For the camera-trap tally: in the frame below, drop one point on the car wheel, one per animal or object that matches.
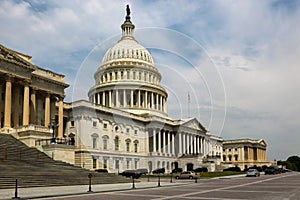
(176, 177)
(191, 177)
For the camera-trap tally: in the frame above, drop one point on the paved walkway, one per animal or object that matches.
(54, 191)
(39, 192)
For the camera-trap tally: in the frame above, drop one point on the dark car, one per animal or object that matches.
(201, 169)
(159, 171)
(175, 171)
(272, 170)
(232, 169)
(143, 171)
(131, 174)
(101, 170)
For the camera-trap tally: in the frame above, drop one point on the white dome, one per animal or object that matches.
(127, 49)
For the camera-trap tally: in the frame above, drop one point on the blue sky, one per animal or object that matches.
(239, 60)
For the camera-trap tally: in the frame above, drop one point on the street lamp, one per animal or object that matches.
(53, 126)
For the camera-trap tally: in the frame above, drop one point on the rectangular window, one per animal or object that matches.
(135, 147)
(135, 164)
(135, 132)
(128, 164)
(94, 143)
(104, 163)
(105, 126)
(94, 124)
(127, 130)
(94, 163)
(72, 123)
(128, 147)
(117, 164)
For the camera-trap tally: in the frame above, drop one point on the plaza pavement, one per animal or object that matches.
(55, 191)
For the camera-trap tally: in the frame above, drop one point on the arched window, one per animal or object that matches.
(117, 143)
(105, 141)
(95, 140)
(136, 143)
(128, 141)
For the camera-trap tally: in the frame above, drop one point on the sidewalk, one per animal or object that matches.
(54, 191)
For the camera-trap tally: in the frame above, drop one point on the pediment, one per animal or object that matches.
(15, 57)
(194, 124)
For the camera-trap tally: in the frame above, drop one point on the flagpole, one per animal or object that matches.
(188, 105)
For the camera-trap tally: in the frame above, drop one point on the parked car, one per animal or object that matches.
(232, 169)
(272, 170)
(187, 175)
(143, 171)
(253, 172)
(131, 174)
(101, 170)
(159, 171)
(201, 169)
(178, 170)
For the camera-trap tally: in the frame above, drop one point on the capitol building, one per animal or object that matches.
(124, 124)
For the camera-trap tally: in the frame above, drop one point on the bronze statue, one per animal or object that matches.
(128, 10)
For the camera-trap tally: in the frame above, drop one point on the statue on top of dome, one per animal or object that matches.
(127, 12)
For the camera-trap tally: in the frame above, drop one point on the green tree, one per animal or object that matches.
(293, 162)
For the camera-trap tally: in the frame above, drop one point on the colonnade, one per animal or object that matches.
(177, 143)
(130, 98)
(133, 75)
(24, 109)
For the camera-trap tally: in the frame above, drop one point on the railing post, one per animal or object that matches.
(133, 186)
(16, 191)
(90, 182)
(158, 184)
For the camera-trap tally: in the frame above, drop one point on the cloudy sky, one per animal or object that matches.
(237, 60)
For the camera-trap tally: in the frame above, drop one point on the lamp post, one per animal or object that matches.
(53, 126)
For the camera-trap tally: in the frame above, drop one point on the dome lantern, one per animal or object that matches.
(127, 27)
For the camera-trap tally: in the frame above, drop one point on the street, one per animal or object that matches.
(282, 186)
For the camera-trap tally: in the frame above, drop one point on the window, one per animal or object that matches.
(229, 157)
(128, 145)
(235, 149)
(236, 157)
(117, 164)
(105, 126)
(127, 130)
(94, 163)
(135, 164)
(224, 158)
(105, 140)
(127, 164)
(104, 163)
(72, 123)
(135, 132)
(94, 142)
(229, 149)
(117, 143)
(94, 124)
(136, 146)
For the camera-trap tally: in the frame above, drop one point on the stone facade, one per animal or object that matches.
(245, 153)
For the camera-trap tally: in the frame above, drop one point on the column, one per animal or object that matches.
(152, 101)
(198, 145)
(60, 118)
(103, 98)
(139, 98)
(109, 98)
(26, 106)
(159, 141)
(188, 143)
(184, 143)
(131, 98)
(146, 99)
(165, 105)
(47, 110)
(7, 106)
(98, 98)
(117, 98)
(173, 142)
(160, 105)
(154, 140)
(164, 141)
(195, 144)
(180, 142)
(124, 98)
(156, 106)
(33, 107)
(169, 142)
(16, 106)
